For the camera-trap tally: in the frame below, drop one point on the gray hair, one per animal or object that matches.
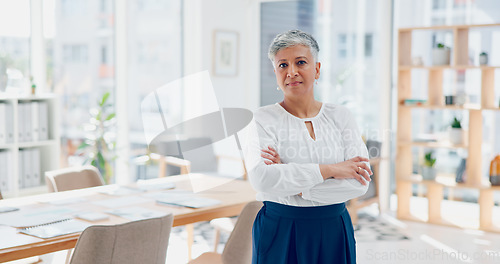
(292, 38)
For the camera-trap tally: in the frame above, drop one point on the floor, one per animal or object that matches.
(380, 239)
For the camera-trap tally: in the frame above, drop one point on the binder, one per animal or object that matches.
(3, 123)
(20, 163)
(35, 164)
(43, 121)
(4, 185)
(27, 122)
(20, 122)
(35, 131)
(9, 110)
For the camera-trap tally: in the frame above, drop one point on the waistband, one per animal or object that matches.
(307, 212)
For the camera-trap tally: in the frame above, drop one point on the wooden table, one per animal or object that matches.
(233, 194)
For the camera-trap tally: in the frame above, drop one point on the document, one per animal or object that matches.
(35, 217)
(121, 202)
(60, 228)
(136, 213)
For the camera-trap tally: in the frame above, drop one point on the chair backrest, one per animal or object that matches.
(143, 241)
(73, 178)
(238, 249)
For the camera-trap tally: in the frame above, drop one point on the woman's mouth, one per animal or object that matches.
(294, 83)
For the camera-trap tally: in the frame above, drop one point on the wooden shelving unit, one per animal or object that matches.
(404, 176)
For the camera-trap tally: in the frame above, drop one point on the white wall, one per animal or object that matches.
(201, 19)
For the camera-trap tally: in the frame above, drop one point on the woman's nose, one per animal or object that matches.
(292, 71)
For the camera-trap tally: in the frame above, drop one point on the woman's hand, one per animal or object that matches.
(271, 156)
(354, 168)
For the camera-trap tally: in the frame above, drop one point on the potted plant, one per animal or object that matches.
(456, 132)
(483, 58)
(428, 170)
(441, 55)
(99, 143)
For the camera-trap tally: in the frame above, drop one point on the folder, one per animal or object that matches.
(4, 185)
(20, 122)
(9, 110)
(43, 120)
(27, 123)
(35, 133)
(20, 175)
(3, 123)
(36, 171)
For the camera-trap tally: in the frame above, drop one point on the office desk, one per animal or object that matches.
(233, 195)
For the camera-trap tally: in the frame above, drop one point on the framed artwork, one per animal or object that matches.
(225, 53)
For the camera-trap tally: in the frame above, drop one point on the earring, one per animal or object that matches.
(277, 88)
(316, 81)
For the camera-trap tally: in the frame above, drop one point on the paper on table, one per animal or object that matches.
(56, 229)
(171, 194)
(144, 185)
(191, 201)
(121, 190)
(136, 213)
(122, 201)
(35, 217)
(66, 201)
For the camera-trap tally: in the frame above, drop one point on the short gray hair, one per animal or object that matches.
(292, 38)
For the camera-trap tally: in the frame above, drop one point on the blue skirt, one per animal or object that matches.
(284, 234)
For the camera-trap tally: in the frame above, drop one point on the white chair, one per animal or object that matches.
(144, 241)
(238, 249)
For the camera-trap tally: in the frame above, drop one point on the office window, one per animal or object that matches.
(75, 53)
(342, 45)
(80, 66)
(155, 59)
(14, 45)
(368, 45)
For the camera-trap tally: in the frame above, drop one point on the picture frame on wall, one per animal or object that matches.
(225, 53)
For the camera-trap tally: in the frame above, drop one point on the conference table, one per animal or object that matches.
(233, 194)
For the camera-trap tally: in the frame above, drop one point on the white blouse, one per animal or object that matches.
(337, 140)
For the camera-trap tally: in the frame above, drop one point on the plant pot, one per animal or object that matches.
(428, 173)
(441, 56)
(456, 136)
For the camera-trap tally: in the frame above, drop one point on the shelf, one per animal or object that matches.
(449, 107)
(7, 146)
(449, 182)
(446, 67)
(442, 144)
(448, 27)
(37, 143)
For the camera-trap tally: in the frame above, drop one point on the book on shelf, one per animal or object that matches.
(414, 101)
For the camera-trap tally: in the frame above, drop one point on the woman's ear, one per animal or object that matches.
(318, 66)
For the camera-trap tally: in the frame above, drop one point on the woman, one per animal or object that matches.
(306, 159)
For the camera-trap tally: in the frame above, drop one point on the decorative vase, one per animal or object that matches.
(495, 171)
(441, 56)
(456, 136)
(428, 173)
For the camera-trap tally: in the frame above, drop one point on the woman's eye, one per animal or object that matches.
(301, 62)
(282, 65)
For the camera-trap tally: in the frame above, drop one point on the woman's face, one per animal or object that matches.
(296, 71)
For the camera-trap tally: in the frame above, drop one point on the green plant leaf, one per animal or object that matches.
(110, 116)
(104, 99)
(100, 158)
(83, 145)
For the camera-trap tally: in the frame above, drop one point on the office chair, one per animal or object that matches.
(238, 249)
(73, 178)
(144, 241)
